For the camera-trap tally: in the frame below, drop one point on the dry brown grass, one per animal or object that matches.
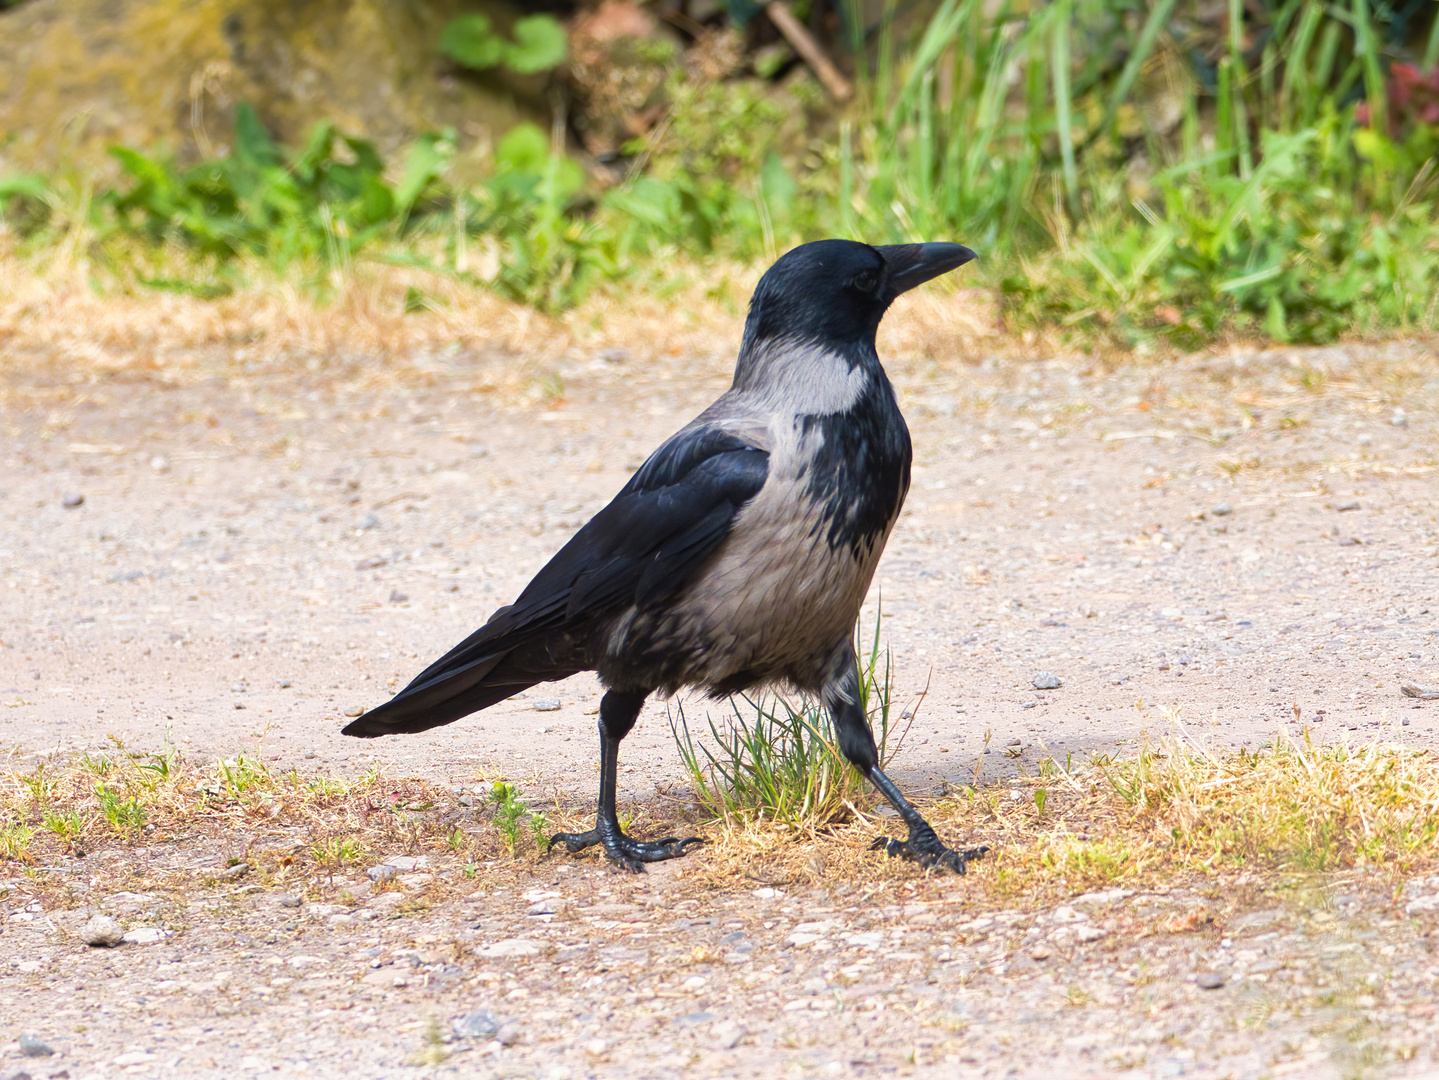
(1173, 812)
(53, 315)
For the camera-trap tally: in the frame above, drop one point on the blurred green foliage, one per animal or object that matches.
(540, 43)
(1125, 177)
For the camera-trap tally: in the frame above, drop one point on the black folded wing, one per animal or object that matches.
(639, 550)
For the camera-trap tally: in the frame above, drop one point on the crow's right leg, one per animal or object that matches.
(618, 712)
(856, 742)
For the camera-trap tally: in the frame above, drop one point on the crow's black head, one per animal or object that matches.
(834, 292)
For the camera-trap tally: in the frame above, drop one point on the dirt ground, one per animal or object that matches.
(236, 557)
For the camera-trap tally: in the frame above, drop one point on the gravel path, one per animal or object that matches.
(242, 559)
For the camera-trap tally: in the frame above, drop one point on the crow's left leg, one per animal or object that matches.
(618, 712)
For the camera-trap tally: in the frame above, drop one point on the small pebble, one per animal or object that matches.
(144, 935)
(102, 932)
(382, 873)
(480, 1024)
(1399, 418)
(234, 873)
(1046, 680)
(33, 1046)
(1221, 509)
(549, 704)
(1209, 980)
(397, 597)
(1342, 507)
(74, 499)
(509, 1033)
(289, 900)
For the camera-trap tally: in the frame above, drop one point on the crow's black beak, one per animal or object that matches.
(914, 264)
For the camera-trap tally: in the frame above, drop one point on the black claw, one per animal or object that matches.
(576, 842)
(625, 852)
(923, 847)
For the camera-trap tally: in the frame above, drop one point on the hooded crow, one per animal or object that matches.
(738, 555)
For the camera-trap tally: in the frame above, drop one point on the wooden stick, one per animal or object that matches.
(800, 39)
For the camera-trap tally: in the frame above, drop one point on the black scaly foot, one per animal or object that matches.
(626, 852)
(924, 847)
(618, 710)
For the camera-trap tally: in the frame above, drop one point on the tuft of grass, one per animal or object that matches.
(15, 840)
(513, 819)
(780, 762)
(1290, 805)
(243, 775)
(67, 826)
(1175, 810)
(334, 852)
(124, 813)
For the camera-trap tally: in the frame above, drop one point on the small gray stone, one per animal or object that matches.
(234, 873)
(480, 1024)
(289, 900)
(405, 863)
(510, 949)
(71, 501)
(144, 935)
(18, 1074)
(509, 1033)
(383, 872)
(1047, 680)
(33, 1046)
(549, 704)
(1221, 509)
(102, 931)
(1209, 980)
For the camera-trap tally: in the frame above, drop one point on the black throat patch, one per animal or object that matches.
(857, 466)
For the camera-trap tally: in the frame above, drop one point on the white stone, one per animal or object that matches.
(144, 935)
(510, 948)
(102, 931)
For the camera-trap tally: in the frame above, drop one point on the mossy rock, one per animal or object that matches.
(78, 76)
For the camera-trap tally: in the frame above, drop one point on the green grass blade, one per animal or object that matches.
(1062, 17)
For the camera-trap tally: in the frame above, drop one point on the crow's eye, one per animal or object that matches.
(866, 281)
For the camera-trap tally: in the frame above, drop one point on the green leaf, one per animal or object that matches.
(524, 149)
(469, 41)
(253, 145)
(540, 44)
(29, 187)
(429, 157)
(777, 185)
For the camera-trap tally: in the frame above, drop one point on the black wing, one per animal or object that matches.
(640, 549)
